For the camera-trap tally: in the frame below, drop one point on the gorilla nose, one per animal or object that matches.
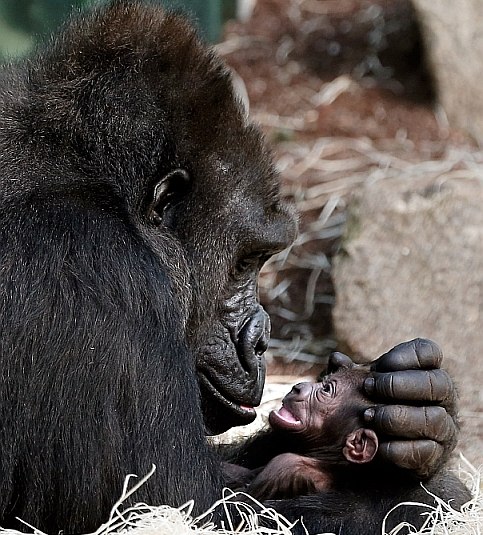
(253, 341)
(255, 334)
(301, 389)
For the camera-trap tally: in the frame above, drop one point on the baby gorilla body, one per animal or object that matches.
(321, 453)
(322, 424)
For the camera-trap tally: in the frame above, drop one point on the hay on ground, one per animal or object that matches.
(142, 519)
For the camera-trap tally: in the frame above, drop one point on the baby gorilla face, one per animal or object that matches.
(308, 407)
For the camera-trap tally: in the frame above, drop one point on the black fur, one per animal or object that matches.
(113, 296)
(361, 510)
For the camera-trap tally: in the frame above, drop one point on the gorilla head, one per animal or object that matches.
(128, 113)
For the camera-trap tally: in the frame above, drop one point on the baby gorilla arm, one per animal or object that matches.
(288, 475)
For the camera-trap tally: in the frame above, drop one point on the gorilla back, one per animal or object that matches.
(136, 209)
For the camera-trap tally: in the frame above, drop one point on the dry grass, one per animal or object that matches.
(320, 178)
(443, 519)
(142, 519)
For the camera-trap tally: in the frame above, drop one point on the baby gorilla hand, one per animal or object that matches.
(420, 406)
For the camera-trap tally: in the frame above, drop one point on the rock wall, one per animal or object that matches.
(452, 31)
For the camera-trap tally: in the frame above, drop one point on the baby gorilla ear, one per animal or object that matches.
(361, 446)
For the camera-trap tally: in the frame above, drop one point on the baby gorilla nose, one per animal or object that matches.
(301, 390)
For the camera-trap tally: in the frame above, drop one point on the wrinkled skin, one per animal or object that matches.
(418, 405)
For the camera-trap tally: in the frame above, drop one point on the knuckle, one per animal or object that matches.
(391, 418)
(440, 425)
(385, 384)
(442, 386)
(420, 455)
(428, 353)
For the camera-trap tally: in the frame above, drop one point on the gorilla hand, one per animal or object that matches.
(421, 414)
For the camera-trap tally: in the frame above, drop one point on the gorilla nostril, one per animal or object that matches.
(261, 346)
(253, 340)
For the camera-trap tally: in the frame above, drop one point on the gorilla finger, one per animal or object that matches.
(423, 456)
(435, 386)
(408, 422)
(338, 361)
(418, 354)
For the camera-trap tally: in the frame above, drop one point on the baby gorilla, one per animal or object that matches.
(321, 426)
(321, 454)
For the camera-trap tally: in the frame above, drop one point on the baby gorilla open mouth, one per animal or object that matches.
(284, 418)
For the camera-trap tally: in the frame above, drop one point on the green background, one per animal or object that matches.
(22, 22)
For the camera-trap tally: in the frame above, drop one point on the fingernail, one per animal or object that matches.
(369, 385)
(369, 415)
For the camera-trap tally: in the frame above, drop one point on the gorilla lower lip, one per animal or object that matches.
(244, 411)
(286, 415)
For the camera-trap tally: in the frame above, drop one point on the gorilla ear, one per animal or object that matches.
(167, 192)
(361, 446)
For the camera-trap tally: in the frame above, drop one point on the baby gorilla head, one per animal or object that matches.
(324, 420)
(318, 437)
(322, 439)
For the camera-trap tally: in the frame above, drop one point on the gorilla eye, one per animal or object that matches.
(167, 192)
(328, 388)
(248, 264)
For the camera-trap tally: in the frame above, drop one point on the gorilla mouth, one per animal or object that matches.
(283, 418)
(231, 373)
(242, 412)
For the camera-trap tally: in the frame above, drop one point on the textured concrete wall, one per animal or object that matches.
(453, 32)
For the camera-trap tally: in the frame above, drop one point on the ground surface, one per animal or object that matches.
(341, 91)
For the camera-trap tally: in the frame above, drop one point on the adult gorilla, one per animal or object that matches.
(136, 209)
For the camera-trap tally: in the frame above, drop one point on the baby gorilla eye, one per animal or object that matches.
(325, 390)
(329, 388)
